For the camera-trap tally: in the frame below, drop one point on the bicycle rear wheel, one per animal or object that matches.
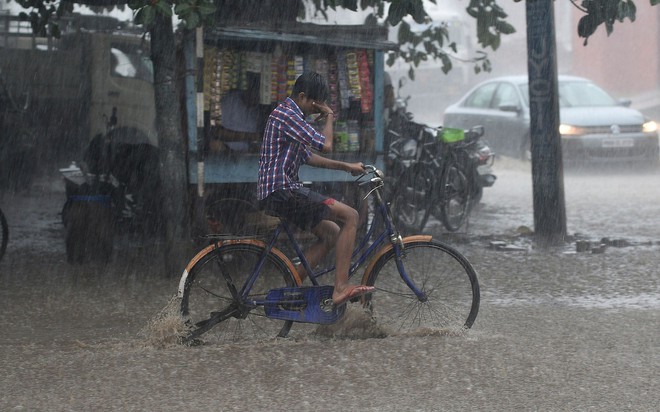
(444, 275)
(4, 234)
(207, 305)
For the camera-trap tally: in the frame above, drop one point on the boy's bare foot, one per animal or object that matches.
(350, 291)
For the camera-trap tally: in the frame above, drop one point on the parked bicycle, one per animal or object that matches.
(245, 284)
(4, 234)
(443, 180)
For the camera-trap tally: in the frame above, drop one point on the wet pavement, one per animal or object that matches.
(557, 330)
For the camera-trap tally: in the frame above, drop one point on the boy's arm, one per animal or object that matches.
(323, 162)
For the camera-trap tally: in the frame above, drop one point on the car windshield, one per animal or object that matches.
(577, 94)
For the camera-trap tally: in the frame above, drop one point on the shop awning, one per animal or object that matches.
(361, 37)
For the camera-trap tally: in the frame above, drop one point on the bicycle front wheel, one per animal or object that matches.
(4, 234)
(446, 278)
(208, 302)
(410, 199)
(454, 197)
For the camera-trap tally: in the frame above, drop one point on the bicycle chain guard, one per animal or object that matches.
(307, 304)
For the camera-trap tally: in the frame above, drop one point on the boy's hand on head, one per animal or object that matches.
(324, 109)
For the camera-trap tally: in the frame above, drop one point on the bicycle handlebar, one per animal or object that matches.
(373, 170)
(370, 169)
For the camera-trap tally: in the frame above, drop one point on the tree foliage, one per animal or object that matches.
(604, 12)
(433, 41)
(40, 12)
(415, 47)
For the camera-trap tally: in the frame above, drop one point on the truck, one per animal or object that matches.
(88, 97)
(96, 76)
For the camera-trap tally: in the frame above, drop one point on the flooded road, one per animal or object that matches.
(557, 330)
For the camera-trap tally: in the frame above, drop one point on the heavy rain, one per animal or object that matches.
(572, 326)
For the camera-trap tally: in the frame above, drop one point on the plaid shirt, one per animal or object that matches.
(286, 146)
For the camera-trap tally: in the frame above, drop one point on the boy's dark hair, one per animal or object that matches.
(313, 85)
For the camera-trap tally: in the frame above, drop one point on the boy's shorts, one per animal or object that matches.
(303, 207)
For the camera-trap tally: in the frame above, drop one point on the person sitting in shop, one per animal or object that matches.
(242, 118)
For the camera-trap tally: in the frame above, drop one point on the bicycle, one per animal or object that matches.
(247, 285)
(4, 234)
(440, 182)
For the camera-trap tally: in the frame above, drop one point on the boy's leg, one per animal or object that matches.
(347, 218)
(307, 210)
(326, 233)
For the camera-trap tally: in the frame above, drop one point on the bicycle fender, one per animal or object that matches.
(387, 248)
(214, 246)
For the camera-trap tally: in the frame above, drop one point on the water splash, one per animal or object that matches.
(166, 328)
(357, 323)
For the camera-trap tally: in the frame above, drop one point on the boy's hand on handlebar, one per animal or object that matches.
(356, 169)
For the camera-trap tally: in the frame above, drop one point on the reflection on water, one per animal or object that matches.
(640, 301)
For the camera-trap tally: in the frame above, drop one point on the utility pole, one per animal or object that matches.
(547, 166)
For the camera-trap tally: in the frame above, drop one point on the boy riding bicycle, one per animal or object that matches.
(287, 144)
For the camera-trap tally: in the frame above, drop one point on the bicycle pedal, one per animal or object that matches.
(327, 305)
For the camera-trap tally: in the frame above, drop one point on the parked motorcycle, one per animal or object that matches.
(401, 140)
(116, 189)
(87, 215)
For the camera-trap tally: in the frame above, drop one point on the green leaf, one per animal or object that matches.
(350, 5)
(139, 17)
(504, 27)
(391, 58)
(405, 35)
(192, 20)
(487, 66)
(146, 16)
(416, 10)
(587, 25)
(206, 8)
(164, 7)
(609, 27)
(446, 64)
(181, 8)
(416, 59)
(396, 12)
(136, 4)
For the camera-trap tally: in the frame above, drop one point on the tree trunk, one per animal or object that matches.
(172, 149)
(547, 165)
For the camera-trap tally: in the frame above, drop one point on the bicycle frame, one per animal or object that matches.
(361, 253)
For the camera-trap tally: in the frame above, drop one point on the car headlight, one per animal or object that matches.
(650, 127)
(567, 129)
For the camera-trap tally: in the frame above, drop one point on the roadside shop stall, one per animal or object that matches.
(246, 72)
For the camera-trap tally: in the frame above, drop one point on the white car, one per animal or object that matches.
(594, 126)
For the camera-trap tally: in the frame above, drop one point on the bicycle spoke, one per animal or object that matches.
(447, 280)
(212, 287)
